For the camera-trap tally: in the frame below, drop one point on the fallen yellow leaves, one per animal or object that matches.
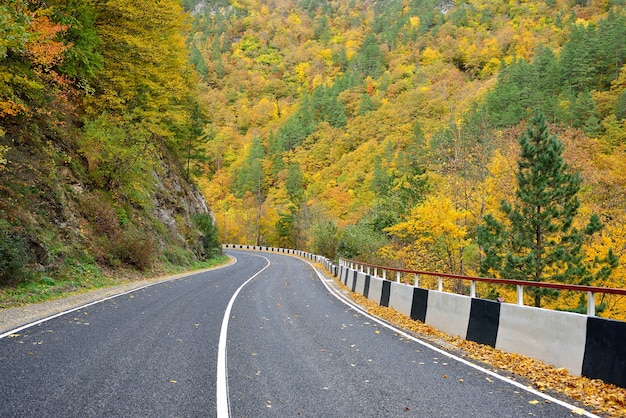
(602, 398)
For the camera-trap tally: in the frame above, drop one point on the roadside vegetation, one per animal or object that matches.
(85, 277)
(98, 112)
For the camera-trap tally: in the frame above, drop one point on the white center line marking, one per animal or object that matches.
(223, 405)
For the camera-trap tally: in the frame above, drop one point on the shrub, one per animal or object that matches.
(179, 257)
(14, 255)
(210, 239)
(134, 250)
(360, 241)
(100, 214)
(324, 239)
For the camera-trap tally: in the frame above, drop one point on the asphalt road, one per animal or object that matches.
(262, 337)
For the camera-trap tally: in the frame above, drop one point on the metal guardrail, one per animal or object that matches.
(591, 290)
(520, 284)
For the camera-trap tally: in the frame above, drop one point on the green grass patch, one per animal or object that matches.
(73, 277)
(78, 277)
(198, 265)
(219, 260)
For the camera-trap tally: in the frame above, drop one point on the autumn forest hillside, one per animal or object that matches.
(387, 131)
(97, 108)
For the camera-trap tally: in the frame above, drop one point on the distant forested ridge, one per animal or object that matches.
(389, 130)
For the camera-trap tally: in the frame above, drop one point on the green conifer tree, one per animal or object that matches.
(285, 227)
(365, 105)
(250, 178)
(370, 60)
(579, 58)
(539, 241)
(294, 183)
(547, 83)
(381, 180)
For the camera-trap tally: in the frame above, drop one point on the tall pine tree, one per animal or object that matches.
(539, 241)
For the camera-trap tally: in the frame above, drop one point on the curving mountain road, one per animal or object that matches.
(266, 336)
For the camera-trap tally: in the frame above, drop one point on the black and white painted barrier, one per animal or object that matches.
(584, 345)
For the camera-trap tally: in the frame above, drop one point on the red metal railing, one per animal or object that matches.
(591, 290)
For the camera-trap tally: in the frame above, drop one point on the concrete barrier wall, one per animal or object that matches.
(360, 283)
(448, 312)
(605, 351)
(588, 346)
(375, 290)
(484, 321)
(351, 276)
(555, 337)
(401, 298)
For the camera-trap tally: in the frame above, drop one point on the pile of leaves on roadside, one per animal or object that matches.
(605, 399)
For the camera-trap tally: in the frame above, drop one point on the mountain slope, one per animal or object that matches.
(330, 122)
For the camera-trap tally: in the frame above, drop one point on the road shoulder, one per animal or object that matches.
(12, 318)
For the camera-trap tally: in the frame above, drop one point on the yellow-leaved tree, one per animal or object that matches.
(143, 95)
(146, 75)
(433, 237)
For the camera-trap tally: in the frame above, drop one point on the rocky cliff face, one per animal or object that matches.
(445, 6)
(174, 204)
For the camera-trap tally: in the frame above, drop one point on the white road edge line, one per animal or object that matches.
(95, 302)
(223, 404)
(357, 308)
